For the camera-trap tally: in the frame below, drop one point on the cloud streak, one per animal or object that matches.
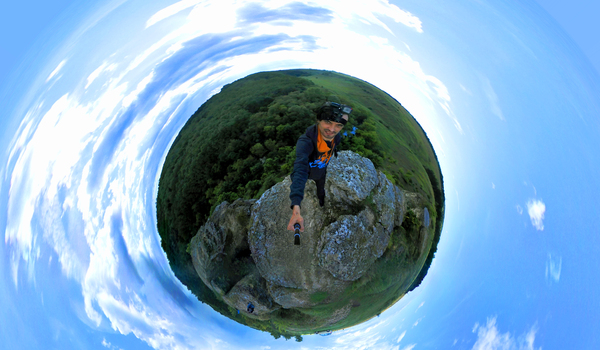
(492, 98)
(553, 268)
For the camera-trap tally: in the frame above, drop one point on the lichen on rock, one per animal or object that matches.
(350, 245)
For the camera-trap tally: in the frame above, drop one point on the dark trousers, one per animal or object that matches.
(320, 187)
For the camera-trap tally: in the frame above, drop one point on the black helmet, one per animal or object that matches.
(333, 111)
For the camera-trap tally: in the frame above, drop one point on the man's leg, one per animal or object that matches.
(321, 190)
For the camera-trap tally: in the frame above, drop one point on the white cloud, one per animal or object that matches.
(133, 95)
(366, 337)
(489, 92)
(360, 337)
(490, 338)
(553, 268)
(401, 337)
(96, 73)
(56, 70)
(108, 345)
(519, 209)
(409, 347)
(404, 17)
(171, 10)
(536, 209)
(465, 89)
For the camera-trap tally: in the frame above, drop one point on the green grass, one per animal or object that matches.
(318, 297)
(400, 135)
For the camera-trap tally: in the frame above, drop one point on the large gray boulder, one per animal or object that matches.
(340, 242)
(285, 266)
(351, 178)
(218, 248)
(350, 245)
(251, 289)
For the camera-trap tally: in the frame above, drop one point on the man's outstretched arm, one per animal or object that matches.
(299, 177)
(301, 169)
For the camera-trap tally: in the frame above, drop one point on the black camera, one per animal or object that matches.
(334, 111)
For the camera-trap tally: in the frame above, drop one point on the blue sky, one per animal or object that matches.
(513, 123)
(580, 20)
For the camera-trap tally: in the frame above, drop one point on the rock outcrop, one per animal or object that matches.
(245, 253)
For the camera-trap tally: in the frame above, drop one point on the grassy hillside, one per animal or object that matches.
(242, 141)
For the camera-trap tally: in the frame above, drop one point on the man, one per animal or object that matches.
(313, 152)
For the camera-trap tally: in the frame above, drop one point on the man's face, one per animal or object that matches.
(329, 129)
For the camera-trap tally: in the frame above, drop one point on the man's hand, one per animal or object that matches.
(296, 218)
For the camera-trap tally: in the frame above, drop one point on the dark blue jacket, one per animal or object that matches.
(307, 164)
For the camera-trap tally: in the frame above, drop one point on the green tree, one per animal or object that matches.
(258, 150)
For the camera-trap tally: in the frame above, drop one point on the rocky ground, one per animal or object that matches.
(244, 252)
